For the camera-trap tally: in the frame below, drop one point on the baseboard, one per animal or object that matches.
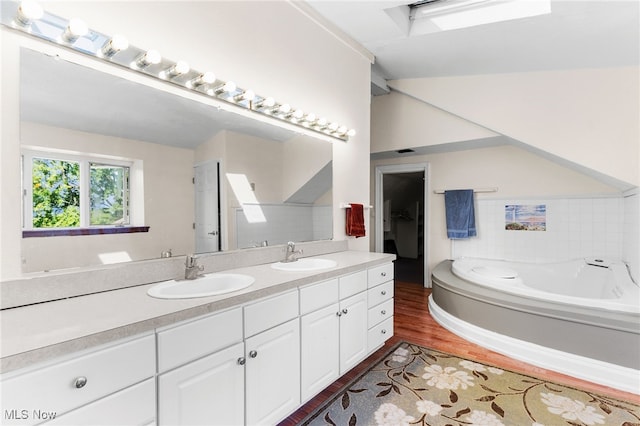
(603, 373)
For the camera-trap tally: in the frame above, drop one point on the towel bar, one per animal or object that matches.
(348, 206)
(441, 191)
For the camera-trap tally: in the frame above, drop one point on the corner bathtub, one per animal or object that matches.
(580, 317)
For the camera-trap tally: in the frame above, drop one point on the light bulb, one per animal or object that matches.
(284, 108)
(269, 102)
(247, 95)
(333, 126)
(114, 45)
(351, 133)
(342, 130)
(76, 29)
(310, 118)
(152, 57)
(28, 11)
(229, 86)
(298, 114)
(322, 122)
(206, 78)
(181, 67)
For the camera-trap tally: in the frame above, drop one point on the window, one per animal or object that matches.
(64, 191)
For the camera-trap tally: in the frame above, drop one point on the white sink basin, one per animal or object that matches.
(206, 285)
(304, 265)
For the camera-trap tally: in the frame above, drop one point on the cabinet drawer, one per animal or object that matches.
(379, 294)
(195, 339)
(135, 405)
(353, 284)
(380, 334)
(316, 296)
(380, 312)
(57, 387)
(270, 312)
(380, 274)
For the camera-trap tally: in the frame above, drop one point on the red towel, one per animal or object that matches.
(355, 220)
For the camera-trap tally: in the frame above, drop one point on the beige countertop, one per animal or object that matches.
(43, 331)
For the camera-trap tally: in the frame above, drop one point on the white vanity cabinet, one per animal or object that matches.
(110, 384)
(272, 353)
(380, 305)
(334, 329)
(207, 387)
(236, 367)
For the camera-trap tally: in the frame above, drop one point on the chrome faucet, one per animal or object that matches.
(192, 269)
(290, 255)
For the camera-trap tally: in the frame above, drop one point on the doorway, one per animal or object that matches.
(207, 207)
(401, 197)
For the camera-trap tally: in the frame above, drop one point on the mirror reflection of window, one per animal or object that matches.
(74, 192)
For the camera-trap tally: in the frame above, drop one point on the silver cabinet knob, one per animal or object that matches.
(241, 360)
(80, 382)
(383, 312)
(345, 311)
(383, 331)
(384, 274)
(253, 354)
(339, 313)
(383, 292)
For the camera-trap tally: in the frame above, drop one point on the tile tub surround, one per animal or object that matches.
(576, 227)
(40, 332)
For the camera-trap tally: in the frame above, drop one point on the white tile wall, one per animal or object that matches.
(284, 223)
(576, 227)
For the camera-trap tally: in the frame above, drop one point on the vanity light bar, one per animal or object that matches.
(29, 17)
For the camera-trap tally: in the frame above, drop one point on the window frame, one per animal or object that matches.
(84, 161)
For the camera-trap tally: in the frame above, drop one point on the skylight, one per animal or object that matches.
(456, 14)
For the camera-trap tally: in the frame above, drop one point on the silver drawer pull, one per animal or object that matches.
(383, 292)
(383, 312)
(80, 382)
(241, 360)
(253, 354)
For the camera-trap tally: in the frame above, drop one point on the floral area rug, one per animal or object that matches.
(413, 385)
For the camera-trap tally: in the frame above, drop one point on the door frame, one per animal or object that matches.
(380, 171)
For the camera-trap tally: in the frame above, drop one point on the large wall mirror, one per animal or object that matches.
(200, 178)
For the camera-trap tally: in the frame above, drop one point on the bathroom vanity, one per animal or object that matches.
(247, 357)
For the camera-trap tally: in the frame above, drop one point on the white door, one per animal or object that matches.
(207, 224)
(273, 374)
(353, 331)
(320, 331)
(209, 391)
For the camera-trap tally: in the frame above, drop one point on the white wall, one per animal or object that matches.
(276, 48)
(515, 172)
(590, 117)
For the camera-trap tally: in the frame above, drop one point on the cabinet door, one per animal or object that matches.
(320, 331)
(273, 374)
(209, 391)
(353, 331)
(132, 406)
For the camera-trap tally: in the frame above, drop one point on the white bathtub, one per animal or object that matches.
(580, 317)
(597, 283)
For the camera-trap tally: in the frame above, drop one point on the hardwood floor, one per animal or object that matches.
(414, 324)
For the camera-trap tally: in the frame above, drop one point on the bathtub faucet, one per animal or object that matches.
(290, 255)
(192, 269)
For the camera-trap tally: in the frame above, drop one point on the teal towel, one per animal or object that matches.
(461, 219)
